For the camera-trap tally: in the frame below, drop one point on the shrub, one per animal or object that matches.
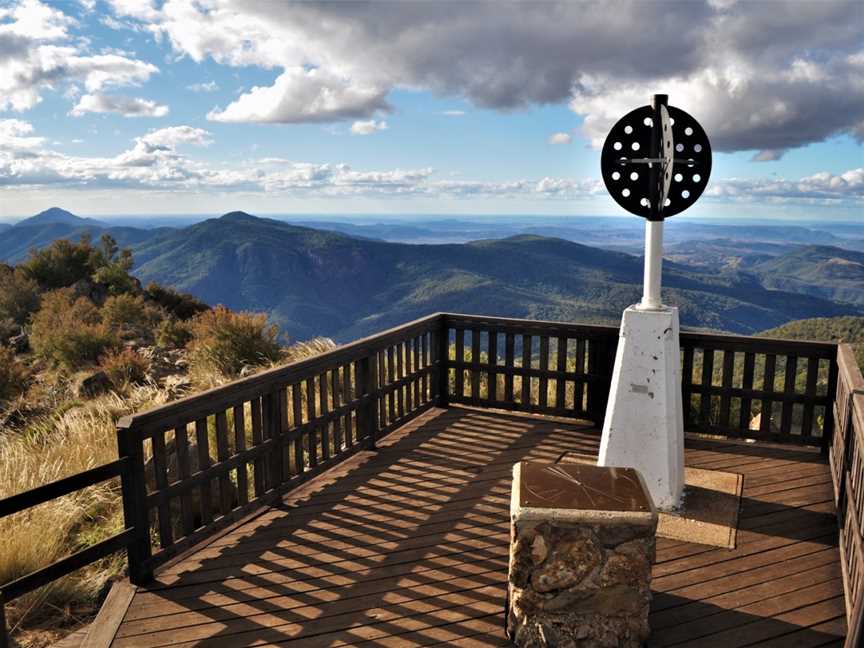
(131, 316)
(225, 341)
(13, 375)
(19, 295)
(60, 264)
(125, 367)
(183, 306)
(69, 331)
(173, 333)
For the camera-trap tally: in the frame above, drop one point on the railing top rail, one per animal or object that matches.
(530, 325)
(761, 344)
(850, 372)
(202, 403)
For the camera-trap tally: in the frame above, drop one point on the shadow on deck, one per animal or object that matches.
(408, 546)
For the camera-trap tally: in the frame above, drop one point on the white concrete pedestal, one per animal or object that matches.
(644, 426)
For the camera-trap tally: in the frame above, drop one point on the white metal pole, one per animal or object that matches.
(653, 265)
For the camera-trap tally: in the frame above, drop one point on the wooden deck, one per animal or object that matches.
(408, 546)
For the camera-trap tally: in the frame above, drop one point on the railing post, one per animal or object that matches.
(367, 376)
(134, 490)
(601, 363)
(442, 357)
(828, 427)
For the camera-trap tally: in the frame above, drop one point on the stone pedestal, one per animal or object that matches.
(582, 544)
(644, 424)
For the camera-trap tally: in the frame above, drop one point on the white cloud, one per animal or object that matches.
(209, 86)
(38, 53)
(368, 127)
(126, 106)
(758, 75)
(453, 113)
(300, 95)
(560, 138)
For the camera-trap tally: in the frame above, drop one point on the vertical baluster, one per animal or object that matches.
(259, 477)
(239, 447)
(747, 386)
(222, 455)
(441, 355)
(526, 367)
(579, 384)
(510, 364)
(475, 366)
(389, 380)
(313, 423)
(297, 407)
(788, 393)
(561, 367)
(810, 394)
(338, 438)
(707, 378)
(347, 398)
(416, 371)
(395, 376)
(203, 445)
(768, 387)
(460, 359)
(160, 468)
(726, 381)
(492, 394)
(184, 470)
(323, 410)
(270, 413)
(544, 369)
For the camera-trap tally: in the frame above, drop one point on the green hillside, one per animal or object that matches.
(837, 329)
(313, 282)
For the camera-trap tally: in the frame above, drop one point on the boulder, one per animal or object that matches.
(92, 384)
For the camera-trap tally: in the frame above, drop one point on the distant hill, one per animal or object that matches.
(820, 270)
(315, 282)
(55, 215)
(827, 329)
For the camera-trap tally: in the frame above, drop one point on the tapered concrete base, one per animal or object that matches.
(644, 426)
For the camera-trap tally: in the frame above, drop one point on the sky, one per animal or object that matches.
(111, 107)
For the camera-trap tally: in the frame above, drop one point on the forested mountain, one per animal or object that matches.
(315, 282)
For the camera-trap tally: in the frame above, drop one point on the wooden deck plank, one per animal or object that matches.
(408, 546)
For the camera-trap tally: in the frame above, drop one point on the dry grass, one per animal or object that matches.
(50, 448)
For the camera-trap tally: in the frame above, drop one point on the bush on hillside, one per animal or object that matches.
(13, 375)
(131, 316)
(173, 333)
(226, 342)
(183, 306)
(19, 296)
(125, 367)
(68, 330)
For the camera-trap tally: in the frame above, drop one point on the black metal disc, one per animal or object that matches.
(627, 179)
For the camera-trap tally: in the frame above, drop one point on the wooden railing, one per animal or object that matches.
(847, 471)
(193, 466)
(220, 454)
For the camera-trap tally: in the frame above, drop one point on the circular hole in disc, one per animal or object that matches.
(685, 194)
(628, 129)
(635, 146)
(644, 202)
(648, 121)
(696, 177)
(617, 146)
(688, 131)
(697, 148)
(634, 176)
(678, 177)
(625, 192)
(615, 175)
(667, 203)
(672, 121)
(679, 147)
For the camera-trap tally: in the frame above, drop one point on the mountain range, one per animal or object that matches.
(323, 282)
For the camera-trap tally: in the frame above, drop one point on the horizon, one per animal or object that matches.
(305, 110)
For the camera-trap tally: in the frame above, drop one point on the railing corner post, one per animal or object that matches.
(4, 630)
(134, 491)
(442, 357)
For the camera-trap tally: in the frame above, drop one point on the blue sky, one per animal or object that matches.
(128, 107)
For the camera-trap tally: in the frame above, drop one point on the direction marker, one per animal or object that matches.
(656, 162)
